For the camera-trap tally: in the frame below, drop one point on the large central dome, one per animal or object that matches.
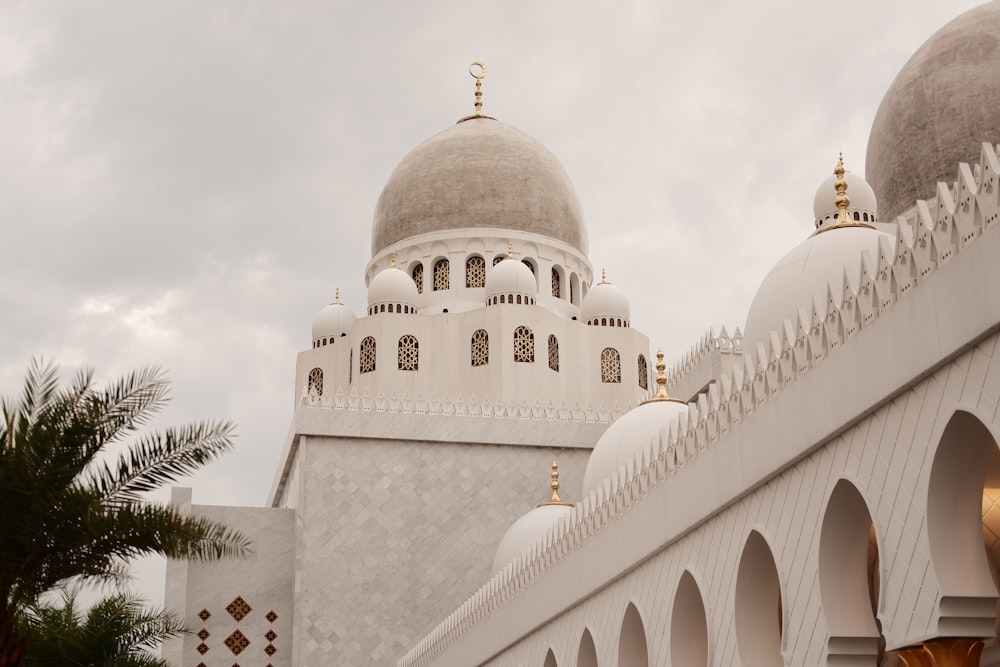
(479, 173)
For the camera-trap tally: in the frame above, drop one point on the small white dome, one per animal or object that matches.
(860, 193)
(605, 300)
(637, 429)
(803, 274)
(333, 321)
(526, 531)
(392, 285)
(510, 276)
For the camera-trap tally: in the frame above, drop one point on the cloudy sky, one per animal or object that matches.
(186, 183)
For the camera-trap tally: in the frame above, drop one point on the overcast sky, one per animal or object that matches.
(185, 183)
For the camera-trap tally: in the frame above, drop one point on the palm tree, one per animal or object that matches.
(73, 471)
(116, 632)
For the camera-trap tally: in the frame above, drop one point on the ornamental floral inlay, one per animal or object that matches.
(368, 355)
(524, 345)
(556, 284)
(408, 353)
(238, 608)
(316, 381)
(442, 275)
(643, 372)
(611, 365)
(480, 348)
(418, 277)
(553, 353)
(475, 272)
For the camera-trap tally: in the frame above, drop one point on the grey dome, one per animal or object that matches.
(479, 173)
(942, 105)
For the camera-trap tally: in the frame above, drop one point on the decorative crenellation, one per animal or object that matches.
(927, 237)
(460, 407)
(708, 343)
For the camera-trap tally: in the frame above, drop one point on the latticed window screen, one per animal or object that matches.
(480, 348)
(367, 355)
(316, 381)
(408, 353)
(524, 345)
(475, 272)
(418, 277)
(556, 291)
(643, 372)
(529, 265)
(611, 365)
(498, 259)
(442, 275)
(553, 353)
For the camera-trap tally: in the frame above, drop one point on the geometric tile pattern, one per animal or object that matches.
(237, 642)
(270, 635)
(204, 614)
(238, 608)
(271, 616)
(203, 634)
(270, 650)
(202, 648)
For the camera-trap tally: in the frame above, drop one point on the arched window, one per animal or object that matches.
(611, 365)
(503, 298)
(442, 275)
(409, 353)
(857, 216)
(475, 272)
(643, 372)
(519, 298)
(418, 277)
(529, 265)
(524, 345)
(316, 381)
(480, 348)
(498, 259)
(368, 355)
(556, 292)
(553, 353)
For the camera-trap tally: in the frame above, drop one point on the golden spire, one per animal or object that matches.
(661, 382)
(841, 200)
(604, 276)
(336, 298)
(510, 250)
(392, 261)
(478, 71)
(555, 499)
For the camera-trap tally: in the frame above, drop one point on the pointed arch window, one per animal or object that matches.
(316, 381)
(524, 345)
(643, 372)
(442, 275)
(475, 272)
(418, 277)
(556, 286)
(367, 355)
(409, 352)
(553, 353)
(480, 348)
(611, 365)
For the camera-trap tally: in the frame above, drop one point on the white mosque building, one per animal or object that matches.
(819, 487)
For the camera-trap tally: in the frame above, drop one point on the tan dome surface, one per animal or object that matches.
(942, 105)
(479, 173)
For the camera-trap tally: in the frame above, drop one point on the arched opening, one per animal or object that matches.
(587, 655)
(367, 355)
(574, 289)
(442, 275)
(480, 348)
(758, 605)
(417, 273)
(849, 578)
(643, 368)
(954, 507)
(409, 353)
(688, 625)
(524, 345)
(632, 648)
(316, 381)
(556, 283)
(550, 660)
(553, 353)
(611, 365)
(475, 271)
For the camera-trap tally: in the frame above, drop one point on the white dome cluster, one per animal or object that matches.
(606, 305)
(334, 321)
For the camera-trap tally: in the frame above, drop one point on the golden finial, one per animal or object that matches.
(604, 276)
(478, 72)
(841, 200)
(510, 250)
(336, 297)
(661, 382)
(392, 261)
(555, 499)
